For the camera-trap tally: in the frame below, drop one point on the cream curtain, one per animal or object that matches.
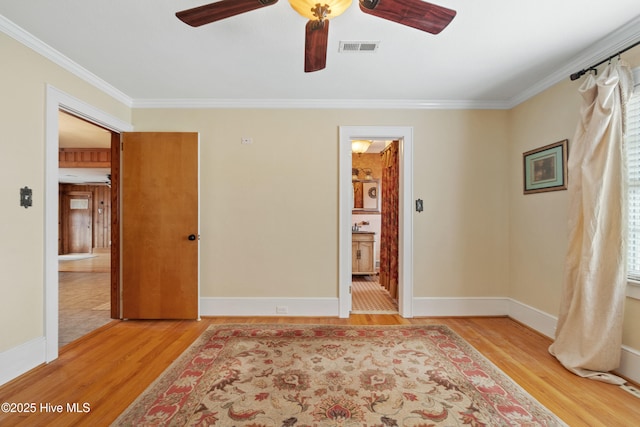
(589, 334)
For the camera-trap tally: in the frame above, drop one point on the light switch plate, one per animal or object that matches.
(26, 197)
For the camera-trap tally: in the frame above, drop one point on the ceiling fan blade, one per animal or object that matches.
(413, 13)
(220, 10)
(315, 45)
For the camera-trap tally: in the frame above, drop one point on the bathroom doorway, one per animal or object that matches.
(374, 168)
(404, 136)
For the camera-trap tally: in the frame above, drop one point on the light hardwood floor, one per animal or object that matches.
(84, 304)
(84, 295)
(99, 262)
(110, 367)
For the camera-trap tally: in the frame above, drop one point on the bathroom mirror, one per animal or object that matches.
(366, 196)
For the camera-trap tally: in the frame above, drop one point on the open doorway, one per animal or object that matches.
(374, 252)
(55, 101)
(404, 136)
(84, 234)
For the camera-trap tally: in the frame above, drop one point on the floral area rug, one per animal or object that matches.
(312, 376)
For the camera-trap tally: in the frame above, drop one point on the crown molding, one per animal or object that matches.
(378, 104)
(614, 42)
(32, 42)
(604, 48)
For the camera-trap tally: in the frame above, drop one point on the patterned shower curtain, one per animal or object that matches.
(589, 334)
(389, 213)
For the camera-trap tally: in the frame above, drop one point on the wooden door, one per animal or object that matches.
(77, 214)
(160, 225)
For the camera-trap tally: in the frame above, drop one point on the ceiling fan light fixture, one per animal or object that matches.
(418, 14)
(309, 8)
(360, 146)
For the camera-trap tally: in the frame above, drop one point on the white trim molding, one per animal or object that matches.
(57, 100)
(19, 34)
(360, 104)
(614, 42)
(542, 322)
(531, 317)
(460, 306)
(404, 134)
(630, 364)
(320, 307)
(633, 289)
(18, 360)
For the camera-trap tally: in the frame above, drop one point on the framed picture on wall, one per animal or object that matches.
(545, 168)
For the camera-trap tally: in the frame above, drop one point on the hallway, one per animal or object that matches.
(84, 295)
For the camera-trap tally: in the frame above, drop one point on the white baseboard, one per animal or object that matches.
(486, 306)
(546, 324)
(445, 307)
(538, 320)
(630, 364)
(18, 360)
(535, 319)
(321, 307)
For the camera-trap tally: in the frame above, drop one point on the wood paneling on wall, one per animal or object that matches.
(84, 157)
(101, 199)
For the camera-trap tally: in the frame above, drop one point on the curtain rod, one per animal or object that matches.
(576, 76)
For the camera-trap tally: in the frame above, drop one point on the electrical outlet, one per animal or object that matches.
(282, 309)
(631, 389)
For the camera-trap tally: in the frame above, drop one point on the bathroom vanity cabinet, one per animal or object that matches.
(362, 253)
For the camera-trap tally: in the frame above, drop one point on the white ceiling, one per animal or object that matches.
(492, 54)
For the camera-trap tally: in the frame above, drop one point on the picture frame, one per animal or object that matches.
(545, 168)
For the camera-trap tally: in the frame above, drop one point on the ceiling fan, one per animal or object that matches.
(413, 13)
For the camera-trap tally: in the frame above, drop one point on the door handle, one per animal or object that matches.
(192, 237)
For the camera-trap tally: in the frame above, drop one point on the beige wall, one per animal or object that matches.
(23, 78)
(630, 334)
(538, 223)
(262, 235)
(460, 240)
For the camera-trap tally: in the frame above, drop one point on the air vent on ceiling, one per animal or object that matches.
(350, 46)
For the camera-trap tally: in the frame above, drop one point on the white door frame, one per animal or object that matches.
(405, 244)
(58, 100)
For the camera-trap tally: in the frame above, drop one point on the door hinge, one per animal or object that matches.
(349, 289)
(121, 145)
